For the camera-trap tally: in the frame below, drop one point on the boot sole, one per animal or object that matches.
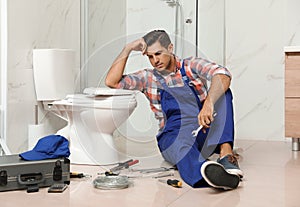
(216, 176)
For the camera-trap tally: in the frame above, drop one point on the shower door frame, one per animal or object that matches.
(3, 145)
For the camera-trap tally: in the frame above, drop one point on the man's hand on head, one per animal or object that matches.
(138, 45)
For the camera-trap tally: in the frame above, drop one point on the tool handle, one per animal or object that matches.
(124, 163)
(76, 175)
(131, 163)
(109, 173)
(30, 179)
(120, 166)
(174, 183)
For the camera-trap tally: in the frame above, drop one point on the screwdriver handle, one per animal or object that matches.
(128, 164)
(174, 183)
(121, 165)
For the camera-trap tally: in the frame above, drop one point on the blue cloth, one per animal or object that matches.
(49, 147)
(176, 143)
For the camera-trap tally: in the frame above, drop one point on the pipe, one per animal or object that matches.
(178, 6)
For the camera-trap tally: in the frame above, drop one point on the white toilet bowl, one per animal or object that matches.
(92, 118)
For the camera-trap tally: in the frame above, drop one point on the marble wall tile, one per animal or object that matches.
(291, 23)
(34, 24)
(41, 24)
(20, 110)
(211, 31)
(106, 32)
(254, 54)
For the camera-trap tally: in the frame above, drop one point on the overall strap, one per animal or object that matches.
(188, 82)
(185, 79)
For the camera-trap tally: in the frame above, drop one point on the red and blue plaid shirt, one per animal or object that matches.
(200, 71)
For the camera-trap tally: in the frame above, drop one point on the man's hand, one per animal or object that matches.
(116, 70)
(138, 45)
(220, 83)
(206, 115)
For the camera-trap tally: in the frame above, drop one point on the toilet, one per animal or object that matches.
(91, 116)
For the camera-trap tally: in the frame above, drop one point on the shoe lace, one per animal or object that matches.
(233, 159)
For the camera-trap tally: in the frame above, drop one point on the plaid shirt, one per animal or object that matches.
(198, 70)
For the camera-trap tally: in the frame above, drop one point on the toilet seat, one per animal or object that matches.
(99, 98)
(106, 91)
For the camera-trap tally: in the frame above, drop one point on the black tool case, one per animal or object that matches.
(17, 174)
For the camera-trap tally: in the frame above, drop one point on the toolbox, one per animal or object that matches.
(17, 174)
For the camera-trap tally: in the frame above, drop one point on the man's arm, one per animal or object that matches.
(219, 85)
(116, 71)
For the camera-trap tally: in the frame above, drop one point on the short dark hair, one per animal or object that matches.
(157, 35)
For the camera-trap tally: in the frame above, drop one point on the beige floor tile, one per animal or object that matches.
(271, 179)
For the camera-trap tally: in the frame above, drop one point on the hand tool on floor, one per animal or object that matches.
(124, 165)
(153, 170)
(196, 131)
(76, 175)
(163, 174)
(79, 175)
(174, 183)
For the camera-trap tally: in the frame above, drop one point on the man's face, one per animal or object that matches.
(160, 57)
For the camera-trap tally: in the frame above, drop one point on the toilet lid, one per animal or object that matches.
(92, 91)
(100, 97)
(97, 101)
(84, 98)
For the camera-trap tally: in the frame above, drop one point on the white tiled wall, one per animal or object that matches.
(291, 22)
(105, 35)
(54, 24)
(254, 53)
(256, 33)
(34, 24)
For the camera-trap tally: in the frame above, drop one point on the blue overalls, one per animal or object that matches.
(181, 107)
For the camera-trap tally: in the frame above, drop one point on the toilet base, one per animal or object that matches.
(99, 148)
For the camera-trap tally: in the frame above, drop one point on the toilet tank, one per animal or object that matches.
(53, 73)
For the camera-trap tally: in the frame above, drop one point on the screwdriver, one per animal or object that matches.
(174, 183)
(78, 175)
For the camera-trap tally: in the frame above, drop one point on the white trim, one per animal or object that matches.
(292, 49)
(3, 145)
(84, 51)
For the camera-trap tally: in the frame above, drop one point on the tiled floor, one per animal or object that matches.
(272, 178)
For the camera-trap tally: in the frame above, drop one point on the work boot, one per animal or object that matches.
(217, 176)
(231, 165)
